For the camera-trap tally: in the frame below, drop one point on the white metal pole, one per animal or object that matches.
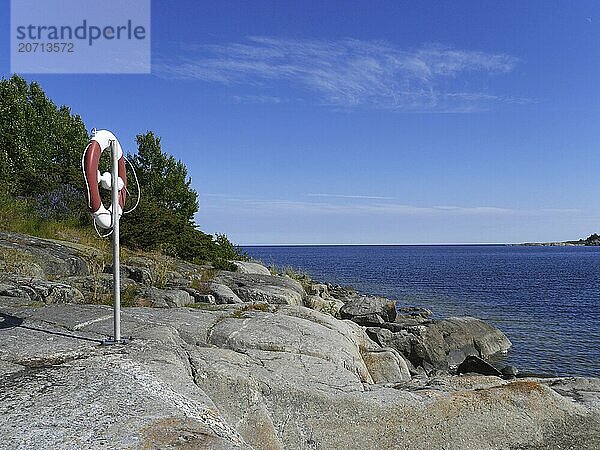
(115, 224)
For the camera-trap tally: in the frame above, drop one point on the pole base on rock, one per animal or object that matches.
(112, 341)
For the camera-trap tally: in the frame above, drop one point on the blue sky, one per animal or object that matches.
(368, 122)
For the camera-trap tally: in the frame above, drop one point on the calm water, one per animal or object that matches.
(545, 299)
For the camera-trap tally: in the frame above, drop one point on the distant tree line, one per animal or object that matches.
(41, 146)
(593, 239)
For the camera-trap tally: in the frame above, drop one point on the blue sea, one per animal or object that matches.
(545, 299)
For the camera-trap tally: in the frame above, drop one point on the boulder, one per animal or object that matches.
(444, 344)
(368, 320)
(408, 316)
(379, 335)
(343, 293)
(280, 332)
(403, 322)
(466, 336)
(163, 269)
(200, 297)
(318, 289)
(251, 268)
(326, 305)
(386, 366)
(263, 288)
(165, 298)
(474, 364)
(509, 372)
(205, 298)
(142, 275)
(223, 294)
(367, 305)
(399, 325)
(414, 311)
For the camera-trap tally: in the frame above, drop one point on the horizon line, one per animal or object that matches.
(384, 245)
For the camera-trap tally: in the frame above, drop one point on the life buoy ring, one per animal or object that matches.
(91, 156)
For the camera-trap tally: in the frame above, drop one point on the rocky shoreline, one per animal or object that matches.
(249, 359)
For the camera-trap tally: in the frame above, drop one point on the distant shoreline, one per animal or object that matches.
(556, 244)
(592, 241)
(373, 245)
(523, 244)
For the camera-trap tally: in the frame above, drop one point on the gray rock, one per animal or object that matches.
(163, 269)
(414, 311)
(342, 293)
(474, 364)
(71, 393)
(37, 290)
(366, 305)
(380, 335)
(509, 371)
(283, 333)
(47, 258)
(404, 322)
(252, 268)
(326, 305)
(165, 298)
(223, 294)
(318, 289)
(258, 375)
(98, 288)
(205, 298)
(401, 325)
(263, 288)
(237, 377)
(142, 275)
(466, 336)
(367, 320)
(445, 344)
(386, 366)
(200, 297)
(408, 316)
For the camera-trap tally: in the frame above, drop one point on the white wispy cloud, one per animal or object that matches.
(347, 73)
(366, 197)
(257, 99)
(376, 207)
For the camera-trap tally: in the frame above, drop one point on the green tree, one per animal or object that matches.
(167, 204)
(165, 179)
(40, 144)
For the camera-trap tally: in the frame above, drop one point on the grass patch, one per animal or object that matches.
(295, 274)
(130, 295)
(247, 307)
(13, 260)
(161, 265)
(201, 280)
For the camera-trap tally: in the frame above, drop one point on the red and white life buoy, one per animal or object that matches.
(100, 142)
